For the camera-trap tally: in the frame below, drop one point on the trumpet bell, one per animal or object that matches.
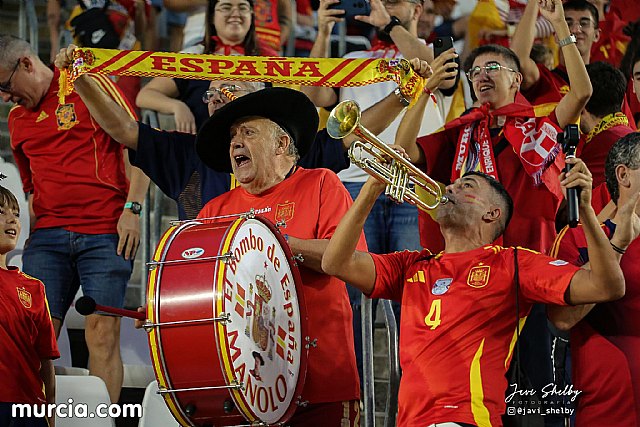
(343, 119)
(403, 179)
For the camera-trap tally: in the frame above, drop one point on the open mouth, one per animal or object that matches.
(485, 88)
(241, 160)
(11, 232)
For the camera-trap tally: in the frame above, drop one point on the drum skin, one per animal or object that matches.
(186, 285)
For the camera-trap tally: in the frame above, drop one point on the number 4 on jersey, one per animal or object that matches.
(433, 318)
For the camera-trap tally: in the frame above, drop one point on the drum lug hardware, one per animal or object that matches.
(224, 318)
(311, 343)
(301, 403)
(281, 224)
(237, 385)
(250, 215)
(298, 259)
(228, 257)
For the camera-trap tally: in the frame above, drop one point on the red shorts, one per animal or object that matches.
(331, 414)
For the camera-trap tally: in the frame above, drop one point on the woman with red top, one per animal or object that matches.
(229, 30)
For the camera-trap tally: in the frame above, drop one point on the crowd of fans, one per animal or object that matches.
(496, 105)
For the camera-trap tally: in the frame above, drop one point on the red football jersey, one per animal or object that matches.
(26, 337)
(74, 169)
(315, 200)
(458, 326)
(605, 345)
(594, 154)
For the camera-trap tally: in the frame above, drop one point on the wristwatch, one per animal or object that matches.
(135, 207)
(404, 101)
(567, 40)
(394, 21)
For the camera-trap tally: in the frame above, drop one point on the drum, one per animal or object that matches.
(226, 322)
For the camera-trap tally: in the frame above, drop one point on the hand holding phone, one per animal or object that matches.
(353, 7)
(441, 45)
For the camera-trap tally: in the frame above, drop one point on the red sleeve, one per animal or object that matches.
(548, 88)
(335, 201)
(391, 271)
(21, 160)
(542, 278)
(439, 150)
(46, 345)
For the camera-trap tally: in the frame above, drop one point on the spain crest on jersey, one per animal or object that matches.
(284, 211)
(66, 116)
(479, 276)
(24, 296)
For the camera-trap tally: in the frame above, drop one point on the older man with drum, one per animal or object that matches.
(259, 138)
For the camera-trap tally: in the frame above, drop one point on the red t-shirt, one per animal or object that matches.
(73, 168)
(267, 24)
(594, 154)
(26, 337)
(605, 345)
(458, 324)
(533, 222)
(316, 200)
(550, 87)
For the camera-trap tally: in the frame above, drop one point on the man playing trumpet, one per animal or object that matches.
(457, 324)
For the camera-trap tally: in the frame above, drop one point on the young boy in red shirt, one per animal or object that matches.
(27, 339)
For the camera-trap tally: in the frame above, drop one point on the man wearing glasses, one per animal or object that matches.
(85, 223)
(540, 85)
(503, 138)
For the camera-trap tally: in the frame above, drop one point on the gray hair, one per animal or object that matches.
(12, 48)
(626, 151)
(279, 132)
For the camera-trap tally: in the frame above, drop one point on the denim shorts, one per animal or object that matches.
(64, 260)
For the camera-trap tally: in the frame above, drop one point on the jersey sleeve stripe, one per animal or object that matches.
(514, 340)
(109, 87)
(556, 244)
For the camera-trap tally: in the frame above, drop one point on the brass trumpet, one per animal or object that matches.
(404, 180)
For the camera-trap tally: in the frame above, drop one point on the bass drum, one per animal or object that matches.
(226, 323)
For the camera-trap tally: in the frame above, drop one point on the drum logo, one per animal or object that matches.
(284, 212)
(479, 276)
(264, 333)
(24, 296)
(192, 253)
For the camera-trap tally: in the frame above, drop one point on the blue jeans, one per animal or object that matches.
(64, 260)
(389, 227)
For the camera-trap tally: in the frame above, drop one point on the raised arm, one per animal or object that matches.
(407, 134)
(408, 44)
(341, 259)
(522, 42)
(327, 18)
(161, 94)
(109, 115)
(571, 105)
(604, 280)
(380, 115)
(285, 16)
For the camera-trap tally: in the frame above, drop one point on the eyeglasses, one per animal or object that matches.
(216, 94)
(227, 8)
(582, 23)
(491, 70)
(6, 87)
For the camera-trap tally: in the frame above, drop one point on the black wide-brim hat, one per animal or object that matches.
(289, 108)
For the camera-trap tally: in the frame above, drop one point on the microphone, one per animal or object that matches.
(86, 305)
(569, 140)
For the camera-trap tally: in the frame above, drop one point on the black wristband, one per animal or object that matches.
(617, 249)
(394, 21)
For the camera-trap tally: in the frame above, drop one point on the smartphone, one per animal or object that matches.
(353, 7)
(440, 45)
